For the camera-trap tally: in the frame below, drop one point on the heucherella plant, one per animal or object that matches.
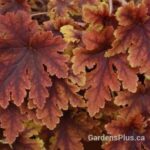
(74, 74)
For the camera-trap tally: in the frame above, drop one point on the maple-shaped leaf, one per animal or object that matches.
(28, 56)
(133, 35)
(98, 14)
(12, 122)
(71, 130)
(131, 128)
(138, 102)
(13, 6)
(26, 142)
(103, 77)
(61, 93)
(61, 7)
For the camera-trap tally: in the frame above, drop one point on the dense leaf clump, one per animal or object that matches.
(73, 68)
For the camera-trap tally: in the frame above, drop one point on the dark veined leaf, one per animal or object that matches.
(26, 142)
(12, 122)
(62, 93)
(13, 6)
(71, 130)
(131, 128)
(61, 7)
(103, 78)
(98, 15)
(133, 34)
(28, 56)
(135, 103)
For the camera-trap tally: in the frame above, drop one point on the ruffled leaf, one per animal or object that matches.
(25, 53)
(62, 93)
(12, 122)
(103, 78)
(71, 130)
(131, 128)
(133, 35)
(135, 103)
(98, 15)
(13, 6)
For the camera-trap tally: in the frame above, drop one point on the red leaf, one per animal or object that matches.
(12, 122)
(98, 14)
(130, 127)
(79, 79)
(61, 93)
(24, 52)
(133, 35)
(138, 102)
(103, 78)
(71, 130)
(29, 109)
(61, 7)
(25, 141)
(13, 6)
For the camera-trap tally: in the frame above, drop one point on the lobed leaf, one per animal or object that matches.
(132, 128)
(71, 130)
(12, 122)
(13, 6)
(62, 93)
(133, 36)
(25, 52)
(98, 15)
(103, 78)
(136, 102)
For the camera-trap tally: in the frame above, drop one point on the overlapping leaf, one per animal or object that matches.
(71, 130)
(25, 141)
(66, 7)
(133, 35)
(62, 7)
(62, 93)
(12, 122)
(103, 78)
(98, 15)
(137, 102)
(109, 53)
(131, 128)
(70, 34)
(13, 6)
(25, 50)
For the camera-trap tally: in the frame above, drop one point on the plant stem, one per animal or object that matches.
(39, 13)
(123, 2)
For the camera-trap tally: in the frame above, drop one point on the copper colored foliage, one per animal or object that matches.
(74, 68)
